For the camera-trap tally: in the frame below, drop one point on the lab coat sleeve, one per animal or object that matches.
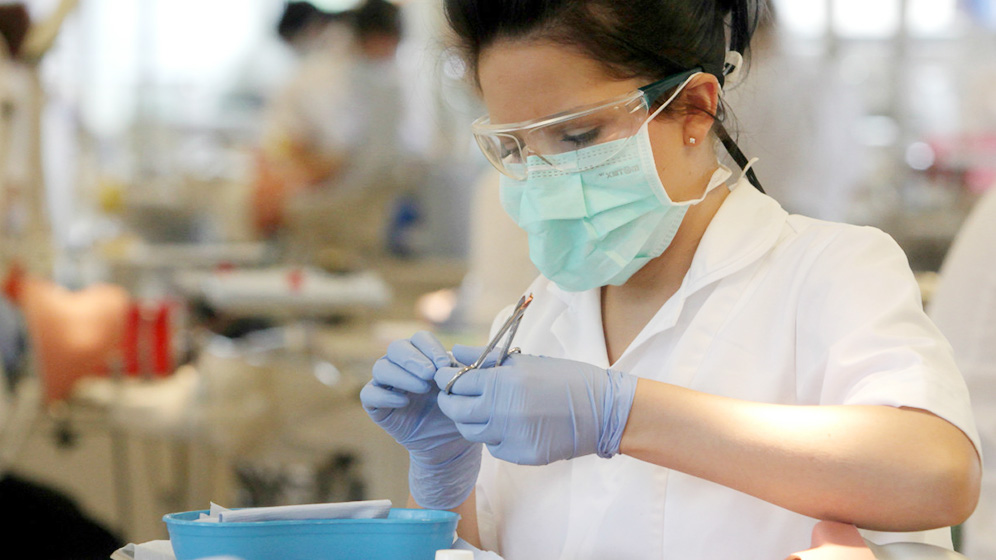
(862, 329)
(964, 308)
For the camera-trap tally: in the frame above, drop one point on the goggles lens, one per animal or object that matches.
(514, 148)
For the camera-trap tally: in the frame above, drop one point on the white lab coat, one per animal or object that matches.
(964, 308)
(775, 308)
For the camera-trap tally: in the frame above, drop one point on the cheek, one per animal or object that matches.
(668, 147)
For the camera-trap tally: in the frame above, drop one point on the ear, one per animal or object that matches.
(701, 101)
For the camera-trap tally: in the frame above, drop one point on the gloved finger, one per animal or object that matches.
(429, 345)
(479, 433)
(375, 397)
(387, 373)
(470, 384)
(511, 453)
(404, 354)
(467, 409)
(467, 355)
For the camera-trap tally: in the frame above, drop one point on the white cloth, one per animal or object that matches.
(367, 509)
(152, 550)
(964, 308)
(776, 309)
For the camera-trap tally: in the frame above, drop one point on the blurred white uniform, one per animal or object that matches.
(775, 308)
(964, 308)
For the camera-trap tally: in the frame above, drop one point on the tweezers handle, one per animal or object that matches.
(510, 326)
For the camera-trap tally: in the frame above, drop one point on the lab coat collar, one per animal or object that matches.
(745, 228)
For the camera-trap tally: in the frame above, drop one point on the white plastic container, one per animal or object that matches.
(452, 554)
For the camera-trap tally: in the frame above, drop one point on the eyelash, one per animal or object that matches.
(582, 139)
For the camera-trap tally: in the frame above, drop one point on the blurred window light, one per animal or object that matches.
(878, 131)
(335, 5)
(195, 48)
(920, 156)
(864, 19)
(931, 17)
(807, 18)
(341, 5)
(869, 19)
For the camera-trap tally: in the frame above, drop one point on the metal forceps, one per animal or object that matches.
(511, 325)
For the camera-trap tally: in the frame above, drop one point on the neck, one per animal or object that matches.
(665, 273)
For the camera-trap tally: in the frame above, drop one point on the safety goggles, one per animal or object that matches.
(507, 146)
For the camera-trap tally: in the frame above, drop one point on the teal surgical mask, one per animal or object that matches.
(599, 226)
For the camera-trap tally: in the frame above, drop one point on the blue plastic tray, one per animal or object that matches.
(406, 533)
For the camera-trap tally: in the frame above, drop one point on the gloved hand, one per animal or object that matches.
(534, 410)
(401, 399)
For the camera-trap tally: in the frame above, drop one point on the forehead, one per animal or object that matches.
(523, 80)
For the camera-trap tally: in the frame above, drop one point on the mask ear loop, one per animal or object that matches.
(732, 73)
(737, 155)
(732, 69)
(748, 169)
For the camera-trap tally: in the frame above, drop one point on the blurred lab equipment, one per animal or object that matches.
(963, 306)
(799, 118)
(26, 233)
(286, 292)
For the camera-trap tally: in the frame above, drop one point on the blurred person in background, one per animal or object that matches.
(331, 162)
(798, 118)
(963, 306)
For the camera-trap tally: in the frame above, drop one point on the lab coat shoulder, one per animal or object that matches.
(861, 327)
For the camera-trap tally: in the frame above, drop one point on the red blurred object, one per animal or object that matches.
(967, 161)
(13, 284)
(162, 340)
(130, 352)
(296, 279)
(147, 345)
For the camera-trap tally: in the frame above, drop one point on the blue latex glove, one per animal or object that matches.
(534, 410)
(401, 399)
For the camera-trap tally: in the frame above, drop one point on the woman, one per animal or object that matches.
(700, 379)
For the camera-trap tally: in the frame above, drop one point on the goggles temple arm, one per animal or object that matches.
(654, 91)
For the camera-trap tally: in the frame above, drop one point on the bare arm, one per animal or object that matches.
(877, 467)
(467, 526)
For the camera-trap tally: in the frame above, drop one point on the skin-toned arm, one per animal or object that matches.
(877, 467)
(467, 526)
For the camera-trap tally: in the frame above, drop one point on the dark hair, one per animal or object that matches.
(377, 17)
(648, 38)
(630, 38)
(14, 24)
(297, 16)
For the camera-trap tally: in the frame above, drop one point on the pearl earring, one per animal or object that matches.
(691, 141)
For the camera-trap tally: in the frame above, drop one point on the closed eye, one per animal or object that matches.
(580, 139)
